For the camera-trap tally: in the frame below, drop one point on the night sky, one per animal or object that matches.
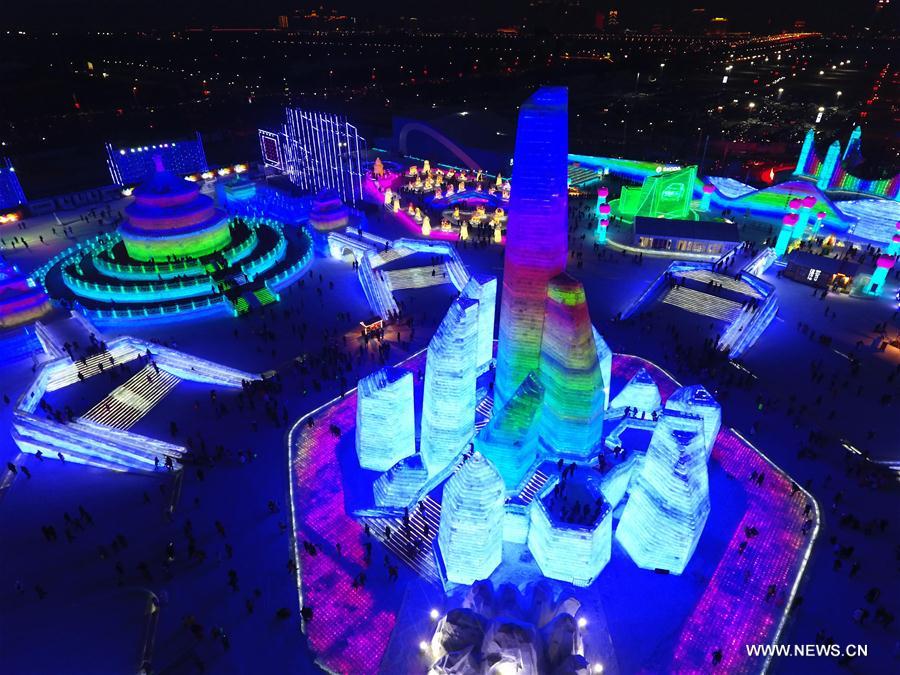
(757, 15)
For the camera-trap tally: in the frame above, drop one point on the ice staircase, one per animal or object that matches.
(533, 487)
(93, 365)
(241, 305)
(704, 304)
(727, 282)
(132, 400)
(390, 255)
(264, 296)
(483, 412)
(421, 559)
(418, 277)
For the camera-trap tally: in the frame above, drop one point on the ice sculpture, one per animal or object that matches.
(572, 412)
(385, 419)
(577, 547)
(470, 535)
(604, 355)
(696, 400)
(537, 235)
(641, 392)
(490, 634)
(448, 408)
(510, 439)
(483, 288)
(400, 486)
(668, 503)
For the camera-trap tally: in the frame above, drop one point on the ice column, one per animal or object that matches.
(470, 535)
(669, 502)
(448, 406)
(483, 288)
(385, 419)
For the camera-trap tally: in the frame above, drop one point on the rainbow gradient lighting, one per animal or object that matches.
(537, 245)
(21, 300)
(572, 418)
(328, 211)
(169, 217)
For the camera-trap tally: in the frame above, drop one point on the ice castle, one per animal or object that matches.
(549, 406)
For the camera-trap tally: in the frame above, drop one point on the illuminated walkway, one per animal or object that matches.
(416, 552)
(705, 304)
(128, 403)
(727, 282)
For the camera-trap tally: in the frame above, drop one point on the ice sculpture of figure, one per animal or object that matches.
(696, 400)
(470, 535)
(536, 236)
(400, 486)
(572, 412)
(641, 392)
(448, 407)
(385, 419)
(510, 438)
(483, 288)
(669, 501)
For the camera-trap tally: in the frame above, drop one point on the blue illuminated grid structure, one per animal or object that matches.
(132, 165)
(323, 150)
(11, 193)
(272, 149)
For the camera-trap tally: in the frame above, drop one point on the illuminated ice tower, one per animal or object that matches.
(448, 406)
(385, 419)
(483, 288)
(669, 500)
(470, 535)
(788, 223)
(708, 189)
(536, 248)
(572, 416)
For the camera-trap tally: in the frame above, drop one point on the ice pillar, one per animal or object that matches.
(829, 166)
(669, 500)
(806, 207)
(784, 237)
(820, 219)
(470, 535)
(483, 288)
(602, 194)
(707, 197)
(697, 401)
(805, 151)
(572, 412)
(883, 265)
(536, 237)
(385, 419)
(448, 406)
(603, 224)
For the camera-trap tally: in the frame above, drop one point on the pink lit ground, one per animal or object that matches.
(712, 606)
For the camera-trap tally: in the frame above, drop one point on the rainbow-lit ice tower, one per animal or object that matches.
(536, 248)
(169, 217)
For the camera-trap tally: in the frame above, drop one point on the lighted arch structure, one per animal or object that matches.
(457, 151)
